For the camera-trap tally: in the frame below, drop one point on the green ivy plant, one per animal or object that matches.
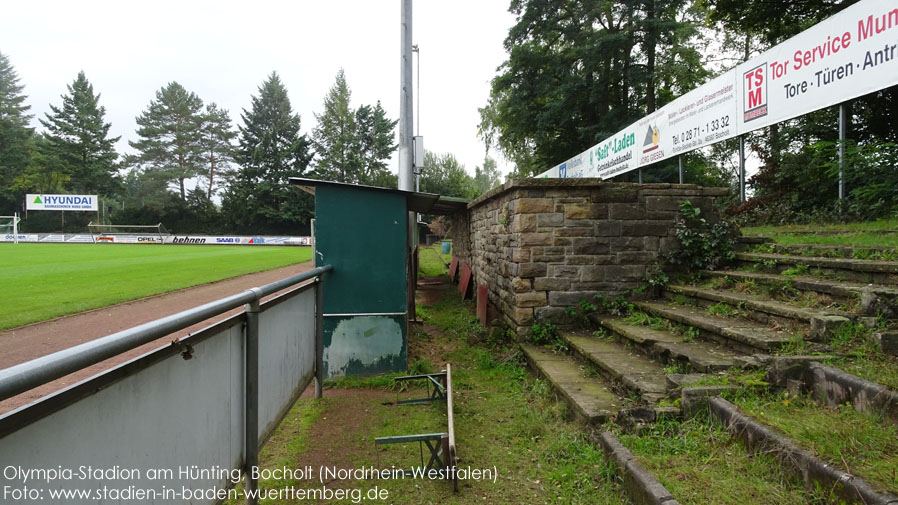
(703, 246)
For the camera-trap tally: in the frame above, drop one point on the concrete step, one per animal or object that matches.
(739, 333)
(702, 356)
(761, 310)
(590, 400)
(870, 299)
(635, 371)
(866, 271)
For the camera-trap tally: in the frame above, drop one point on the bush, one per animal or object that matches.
(702, 245)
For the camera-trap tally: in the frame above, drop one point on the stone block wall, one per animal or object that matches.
(541, 245)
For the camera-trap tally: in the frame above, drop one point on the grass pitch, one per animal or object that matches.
(43, 281)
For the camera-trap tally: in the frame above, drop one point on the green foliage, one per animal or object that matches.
(217, 147)
(724, 310)
(259, 198)
(797, 270)
(14, 135)
(79, 142)
(171, 136)
(421, 366)
(543, 105)
(444, 175)
(656, 278)
(702, 245)
(616, 307)
(352, 145)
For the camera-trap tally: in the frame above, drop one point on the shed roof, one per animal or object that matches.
(425, 203)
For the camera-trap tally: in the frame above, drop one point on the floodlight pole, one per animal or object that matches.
(406, 139)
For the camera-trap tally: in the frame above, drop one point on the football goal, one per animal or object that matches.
(9, 227)
(128, 233)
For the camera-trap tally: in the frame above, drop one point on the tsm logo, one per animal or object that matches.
(754, 93)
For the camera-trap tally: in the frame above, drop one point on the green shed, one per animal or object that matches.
(363, 232)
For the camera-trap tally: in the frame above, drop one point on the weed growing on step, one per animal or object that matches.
(699, 463)
(721, 283)
(722, 309)
(678, 367)
(639, 318)
(579, 314)
(748, 286)
(799, 269)
(702, 245)
(736, 377)
(618, 307)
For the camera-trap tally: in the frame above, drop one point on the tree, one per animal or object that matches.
(217, 137)
(14, 133)
(579, 71)
(487, 177)
(271, 149)
(79, 139)
(444, 175)
(375, 145)
(335, 136)
(171, 136)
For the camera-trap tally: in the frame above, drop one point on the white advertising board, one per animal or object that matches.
(848, 55)
(61, 202)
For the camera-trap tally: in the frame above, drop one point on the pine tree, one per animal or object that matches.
(171, 136)
(79, 139)
(217, 137)
(14, 133)
(335, 138)
(271, 149)
(375, 145)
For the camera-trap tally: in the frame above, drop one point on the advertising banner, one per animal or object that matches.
(61, 202)
(848, 55)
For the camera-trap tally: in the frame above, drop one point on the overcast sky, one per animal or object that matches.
(223, 50)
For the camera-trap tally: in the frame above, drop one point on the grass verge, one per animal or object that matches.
(51, 280)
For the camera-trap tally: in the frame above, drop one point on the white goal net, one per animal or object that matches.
(128, 233)
(9, 225)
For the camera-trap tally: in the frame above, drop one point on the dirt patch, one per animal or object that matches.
(430, 289)
(39, 339)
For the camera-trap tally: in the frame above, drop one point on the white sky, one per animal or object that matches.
(223, 50)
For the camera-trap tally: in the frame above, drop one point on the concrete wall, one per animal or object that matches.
(541, 245)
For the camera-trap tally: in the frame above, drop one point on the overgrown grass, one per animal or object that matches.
(861, 444)
(43, 281)
(431, 261)
(699, 463)
(880, 225)
(504, 419)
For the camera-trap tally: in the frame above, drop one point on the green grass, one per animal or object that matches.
(857, 239)
(868, 226)
(504, 419)
(432, 262)
(861, 444)
(699, 463)
(43, 281)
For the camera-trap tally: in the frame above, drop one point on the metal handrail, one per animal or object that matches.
(31, 374)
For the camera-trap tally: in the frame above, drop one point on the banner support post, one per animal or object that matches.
(742, 168)
(680, 160)
(843, 126)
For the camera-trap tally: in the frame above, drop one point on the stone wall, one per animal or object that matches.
(541, 245)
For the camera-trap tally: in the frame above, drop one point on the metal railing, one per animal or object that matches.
(191, 390)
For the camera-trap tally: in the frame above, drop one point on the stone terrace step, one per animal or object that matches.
(882, 272)
(702, 356)
(637, 372)
(742, 334)
(591, 401)
(761, 310)
(826, 250)
(873, 297)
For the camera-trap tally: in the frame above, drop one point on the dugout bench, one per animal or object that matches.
(440, 446)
